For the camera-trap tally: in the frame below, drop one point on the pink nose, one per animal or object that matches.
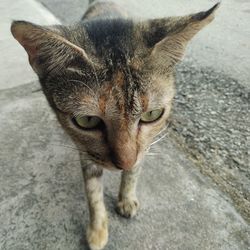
(124, 159)
(123, 149)
(123, 164)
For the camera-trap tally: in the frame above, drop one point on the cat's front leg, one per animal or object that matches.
(97, 233)
(128, 203)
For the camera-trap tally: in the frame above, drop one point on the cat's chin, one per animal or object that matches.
(112, 167)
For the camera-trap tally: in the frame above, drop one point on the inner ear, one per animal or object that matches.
(46, 48)
(167, 38)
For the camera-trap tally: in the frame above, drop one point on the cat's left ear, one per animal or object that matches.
(167, 38)
(46, 47)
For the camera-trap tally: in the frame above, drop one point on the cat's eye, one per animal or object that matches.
(87, 122)
(152, 115)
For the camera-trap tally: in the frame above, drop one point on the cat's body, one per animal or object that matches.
(110, 81)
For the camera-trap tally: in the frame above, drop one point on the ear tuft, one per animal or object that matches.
(204, 14)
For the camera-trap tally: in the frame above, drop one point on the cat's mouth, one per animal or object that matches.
(107, 164)
(115, 167)
(113, 163)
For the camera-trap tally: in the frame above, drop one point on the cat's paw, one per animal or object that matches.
(97, 238)
(128, 207)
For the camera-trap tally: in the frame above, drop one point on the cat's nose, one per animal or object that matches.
(124, 161)
(123, 149)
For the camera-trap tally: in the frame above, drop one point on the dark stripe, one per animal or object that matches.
(204, 14)
(112, 39)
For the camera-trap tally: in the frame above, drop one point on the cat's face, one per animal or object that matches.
(110, 82)
(115, 120)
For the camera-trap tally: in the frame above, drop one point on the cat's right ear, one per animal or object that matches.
(47, 49)
(167, 38)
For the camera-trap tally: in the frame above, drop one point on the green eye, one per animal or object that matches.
(152, 115)
(87, 122)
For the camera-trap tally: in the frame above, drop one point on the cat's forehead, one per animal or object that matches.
(122, 84)
(123, 93)
(120, 95)
(111, 39)
(125, 96)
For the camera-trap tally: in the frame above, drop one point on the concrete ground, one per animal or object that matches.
(194, 191)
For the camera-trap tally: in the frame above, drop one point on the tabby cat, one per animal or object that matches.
(110, 81)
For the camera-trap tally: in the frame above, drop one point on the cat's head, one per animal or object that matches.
(110, 81)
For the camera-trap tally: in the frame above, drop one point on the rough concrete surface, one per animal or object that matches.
(67, 11)
(42, 203)
(211, 122)
(43, 206)
(13, 59)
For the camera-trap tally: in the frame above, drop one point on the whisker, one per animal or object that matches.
(65, 146)
(80, 161)
(159, 139)
(152, 154)
(161, 131)
(154, 150)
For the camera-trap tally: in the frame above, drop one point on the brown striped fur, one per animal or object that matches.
(113, 67)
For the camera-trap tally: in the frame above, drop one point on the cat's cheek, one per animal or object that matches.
(86, 141)
(167, 112)
(148, 134)
(143, 143)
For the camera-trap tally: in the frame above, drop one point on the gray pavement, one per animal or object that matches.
(13, 60)
(42, 203)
